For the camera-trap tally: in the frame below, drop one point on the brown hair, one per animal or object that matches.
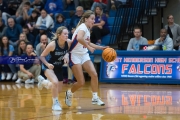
(20, 51)
(60, 15)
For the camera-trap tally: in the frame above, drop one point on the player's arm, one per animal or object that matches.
(80, 38)
(66, 56)
(50, 47)
(97, 46)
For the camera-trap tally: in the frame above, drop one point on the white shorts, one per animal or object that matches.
(78, 58)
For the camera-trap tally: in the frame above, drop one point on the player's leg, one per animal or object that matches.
(90, 69)
(42, 82)
(78, 74)
(54, 80)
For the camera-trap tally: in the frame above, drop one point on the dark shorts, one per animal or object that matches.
(57, 70)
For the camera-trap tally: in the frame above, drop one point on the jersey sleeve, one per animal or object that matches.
(83, 28)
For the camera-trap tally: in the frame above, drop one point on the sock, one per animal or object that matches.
(95, 95)
(69, 91)
(54, 100)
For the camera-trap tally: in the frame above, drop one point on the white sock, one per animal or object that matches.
(54, 99)
(95, 95)
(69, 91)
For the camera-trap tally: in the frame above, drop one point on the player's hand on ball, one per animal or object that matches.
(104, 47)
(50, 66)
(91, 49)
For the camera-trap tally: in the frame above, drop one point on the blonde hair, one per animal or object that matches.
(87, 14)
(26, 40)
(58, 31)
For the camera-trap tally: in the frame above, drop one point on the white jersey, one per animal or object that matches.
(77, 47)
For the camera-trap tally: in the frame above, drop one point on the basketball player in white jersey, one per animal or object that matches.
(79, 58)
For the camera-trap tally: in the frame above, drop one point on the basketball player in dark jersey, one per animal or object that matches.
(58, 50)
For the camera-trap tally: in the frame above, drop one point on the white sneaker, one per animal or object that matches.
(32, 81)
(68, 98)
(14, 76)
(56, 106)
(40, 80)
(28, 81)
(18, 80)
(9, 76)
(97, 101)
(3, 76)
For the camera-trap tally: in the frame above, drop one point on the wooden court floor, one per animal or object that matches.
(123, 102)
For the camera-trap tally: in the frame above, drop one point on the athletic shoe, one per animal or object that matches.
(28, 81)
(3, 76)
(32, 81)
(68, 98)
(97, 101)
(9, 76)
(65, 81)
(56, 106)
(40, 80)
(18, 80)
(14, 76)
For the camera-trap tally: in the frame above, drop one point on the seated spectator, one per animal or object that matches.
(101, 3)
(4, 10)
(42, 30)
(60, 21)
(22, 36)
(29, 72)
(42, 45)
(137, 40)
(27, 11)
(3, 28)
(173, 30)
(31, 23)
(45, 20)
(19, 12)
(38, 5)
(68, 2)
(54, 7)
(13, 31)
(21, 48)
(164, 40)
(8, 70)
(75, 19)
(30, 37)
(13, 6)
(86, 4)
(100, 27)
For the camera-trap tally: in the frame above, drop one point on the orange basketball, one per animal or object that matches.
(109, 54)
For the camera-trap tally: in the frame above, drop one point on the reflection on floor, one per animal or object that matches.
(123, 102)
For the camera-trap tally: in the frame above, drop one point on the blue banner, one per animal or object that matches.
(155, 67)
(18, 60)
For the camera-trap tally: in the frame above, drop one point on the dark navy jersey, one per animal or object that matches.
(58, 54)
